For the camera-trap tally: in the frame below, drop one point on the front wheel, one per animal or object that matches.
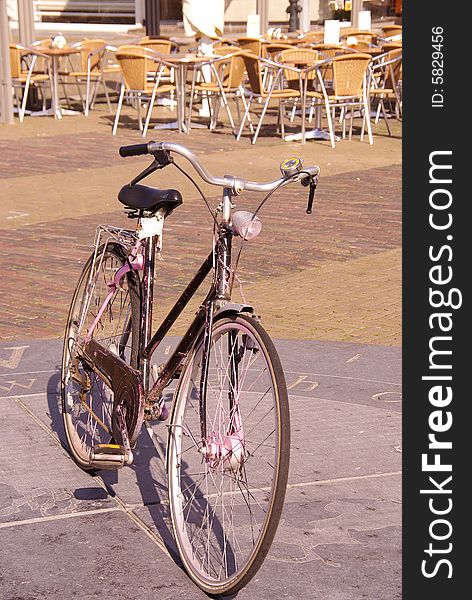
(227, 491)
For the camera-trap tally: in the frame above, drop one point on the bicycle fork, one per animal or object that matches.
(227, 449)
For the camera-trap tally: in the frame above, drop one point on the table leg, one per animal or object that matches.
(303, 89)
(313, 134)
(180, 94)
(55, 89)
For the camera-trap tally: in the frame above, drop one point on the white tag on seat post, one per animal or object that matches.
(151, 226)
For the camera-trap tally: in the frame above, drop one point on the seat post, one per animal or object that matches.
(147, 305)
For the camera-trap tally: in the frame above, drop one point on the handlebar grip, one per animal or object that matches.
(134, 150)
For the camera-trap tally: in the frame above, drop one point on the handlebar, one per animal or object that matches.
(237, 184)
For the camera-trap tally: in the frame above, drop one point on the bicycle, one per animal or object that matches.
(228, 439)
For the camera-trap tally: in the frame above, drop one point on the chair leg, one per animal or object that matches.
(377, 114)
(367, 119)
(190, 106)
(238, 109)
(385, 117)
(118, 109)
(264, 109)
(140, 116)
(282, 124)
(215, 111)
(351, 123)
(245, 116)
(311, 113)
(80, 93)
(330, 122)
(87, 95)
(93, 95)
(25, 98)
(17, 101)
(107, 96)
(149, 112)
(228, 112)
(246, 107)
(43, 97)
(64, 91)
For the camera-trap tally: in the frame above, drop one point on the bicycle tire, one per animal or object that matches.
(87, 403)
(234, 556)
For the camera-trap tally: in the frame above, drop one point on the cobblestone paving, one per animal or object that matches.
(357, 214)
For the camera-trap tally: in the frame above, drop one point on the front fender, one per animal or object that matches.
(233, 308)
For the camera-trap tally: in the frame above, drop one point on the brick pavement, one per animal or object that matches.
(340, 533)
(358, 213)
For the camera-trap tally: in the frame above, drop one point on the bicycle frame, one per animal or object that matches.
(142, 258)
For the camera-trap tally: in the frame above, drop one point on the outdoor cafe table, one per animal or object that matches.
(182, 62)
(317, 133)
(55, 54)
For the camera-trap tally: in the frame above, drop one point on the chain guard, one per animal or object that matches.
(125, 383)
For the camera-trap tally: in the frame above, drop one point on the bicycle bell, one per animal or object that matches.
(291, 166)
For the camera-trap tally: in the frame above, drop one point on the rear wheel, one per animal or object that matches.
(87, 403)
(227, 491)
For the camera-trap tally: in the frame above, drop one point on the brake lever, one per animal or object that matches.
(311, 195)
(162, 158)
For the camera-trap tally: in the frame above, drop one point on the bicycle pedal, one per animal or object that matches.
(109, 456)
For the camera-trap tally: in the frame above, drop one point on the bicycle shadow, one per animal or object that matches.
(152, 486)
(149, 473)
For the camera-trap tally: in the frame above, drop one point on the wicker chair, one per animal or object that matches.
(158, 45)
(266, 89)
(348, 89)
(391, 30)
(92, 53)
(225, 43)
(252, 45)
(226, 79)
(388, 46)
(307, 58)
(24, 79)
(330, 50)
(271, 49)
(134, 62)
(312, 37)
(385, 83)
(361, 35)
(162, 46)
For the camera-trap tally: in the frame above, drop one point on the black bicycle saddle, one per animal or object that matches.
(148, 198)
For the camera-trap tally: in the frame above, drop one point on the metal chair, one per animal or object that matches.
(370, 37)
(346, 90)
(24, 79)
(226, 78)
(312, 37)
(385, 83)
(158, 44)
(92, 53)
(301, 58)
(391, 30)
(265, 89)
(134, 63)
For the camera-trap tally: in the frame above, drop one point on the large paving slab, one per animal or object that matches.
(110, 535)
